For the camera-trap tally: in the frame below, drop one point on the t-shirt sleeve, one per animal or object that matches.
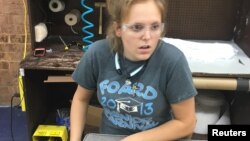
(180, 84)
(84, 74)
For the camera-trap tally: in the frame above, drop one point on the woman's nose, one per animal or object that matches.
(147, 34)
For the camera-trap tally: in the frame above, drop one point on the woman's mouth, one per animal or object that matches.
(144, 47)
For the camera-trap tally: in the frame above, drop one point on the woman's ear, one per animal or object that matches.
(117, 29)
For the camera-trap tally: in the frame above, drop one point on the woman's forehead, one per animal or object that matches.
(142, 12)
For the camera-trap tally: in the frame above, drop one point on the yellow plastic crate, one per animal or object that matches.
(50, 131)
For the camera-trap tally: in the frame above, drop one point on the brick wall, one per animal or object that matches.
(12, 38)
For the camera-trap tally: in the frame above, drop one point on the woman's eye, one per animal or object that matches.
(155, 27)
(137, 28)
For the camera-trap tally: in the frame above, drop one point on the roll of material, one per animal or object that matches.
(41, 32)
(73, 17)
(205, 116)
(56, 5)
(208, 108)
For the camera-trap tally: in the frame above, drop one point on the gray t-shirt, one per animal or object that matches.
(144, 104)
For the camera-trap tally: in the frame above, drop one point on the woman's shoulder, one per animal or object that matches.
(168, 51)
(99, 46)
(99, 50)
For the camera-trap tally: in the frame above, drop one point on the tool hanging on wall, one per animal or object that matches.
(56, 5)
(41, 32)
(89, 35)
(73, 17)
(65, 45)
(101, 5)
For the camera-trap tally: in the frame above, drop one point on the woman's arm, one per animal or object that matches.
(181, 126)
(78, 112)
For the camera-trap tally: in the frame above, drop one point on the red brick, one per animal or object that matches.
(1, 3)
(10, 56)
(2, 47)
(14, 68)
(6, 94)
(9, 78)
(17, 2)
(4, 65)
(4, 90)
(16, 29)
(12, 7)
(17, 38)
(4, 38)
(4, 19)
(5, 79)
(12, 29)
(11, 48)
(16, 19)
(1, 56)
(5, 29)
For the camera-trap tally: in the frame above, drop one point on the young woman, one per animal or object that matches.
(143, 84)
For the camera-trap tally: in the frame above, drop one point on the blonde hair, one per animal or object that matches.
(118, 10)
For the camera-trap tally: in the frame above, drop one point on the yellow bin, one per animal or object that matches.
(50, 132)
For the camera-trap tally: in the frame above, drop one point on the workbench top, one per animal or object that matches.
(58, 59)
